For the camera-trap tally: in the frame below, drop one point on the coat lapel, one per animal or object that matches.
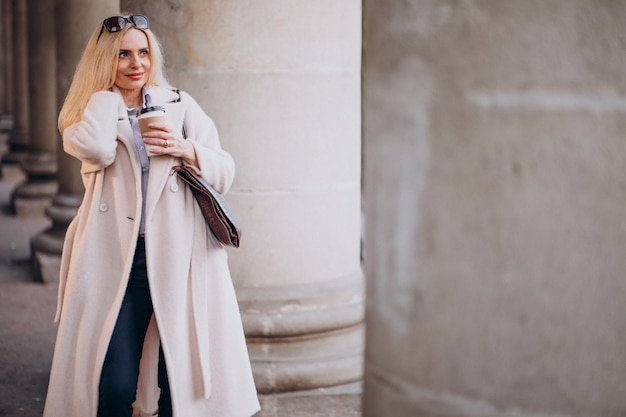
(161, 166)
(125, 136)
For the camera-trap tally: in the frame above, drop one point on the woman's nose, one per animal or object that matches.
(134, 62)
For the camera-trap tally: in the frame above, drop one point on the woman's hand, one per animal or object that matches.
(169, 144)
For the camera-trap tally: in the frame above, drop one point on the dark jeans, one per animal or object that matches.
(118, 382)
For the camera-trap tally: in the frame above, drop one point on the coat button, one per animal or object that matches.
(174, 187)
(104, 207)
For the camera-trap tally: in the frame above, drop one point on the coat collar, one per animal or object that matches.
(162, 95)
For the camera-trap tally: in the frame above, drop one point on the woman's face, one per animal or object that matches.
(134, 63)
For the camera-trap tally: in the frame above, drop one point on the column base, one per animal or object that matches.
(343, 400)
(6, 122)
(30, 207)
(6, 126)
(18, 147)
(14, 156)
(4, 143)
(31, 198)
(308, 362)
(48, 245)
(303, 337)
(47, 266)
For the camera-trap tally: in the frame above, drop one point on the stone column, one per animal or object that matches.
(74, 22)
(282, 82)
(4, 105)
(7, 52)
(40, 165)
(19, 138)
(495, 195)
(6, 79)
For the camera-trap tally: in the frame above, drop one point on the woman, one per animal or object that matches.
(144, 284)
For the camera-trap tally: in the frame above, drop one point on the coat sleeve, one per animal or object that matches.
(93, 139)
(215, 165)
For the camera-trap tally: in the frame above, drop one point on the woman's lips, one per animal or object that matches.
(136, 76)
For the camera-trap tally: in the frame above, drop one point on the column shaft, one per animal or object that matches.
(282, 82)
(4, 105)
(74, 22)
(7, 47)
(6, 76)
(40, 164)
(19, 139)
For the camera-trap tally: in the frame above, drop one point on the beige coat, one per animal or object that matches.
(195, 308)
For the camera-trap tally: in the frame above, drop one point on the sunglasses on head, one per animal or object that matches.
(117, 23)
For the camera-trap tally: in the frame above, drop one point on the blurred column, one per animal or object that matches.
(495, 167)
(8, 59)
(40, 164)
(6, 79)
(19, 137)
(281, 79)
(74, 23)
(3, 58)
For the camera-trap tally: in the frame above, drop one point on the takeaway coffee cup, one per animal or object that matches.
(147, 115)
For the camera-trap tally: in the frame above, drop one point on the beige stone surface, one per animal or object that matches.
(281, 80)
(495, 167)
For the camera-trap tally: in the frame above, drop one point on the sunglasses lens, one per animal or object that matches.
(139, 21)
(114, 24)
(117, 23)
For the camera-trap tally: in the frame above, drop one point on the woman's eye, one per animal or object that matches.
(123, 54)
(143, 53)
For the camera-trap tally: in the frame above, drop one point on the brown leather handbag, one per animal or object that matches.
(218, 214)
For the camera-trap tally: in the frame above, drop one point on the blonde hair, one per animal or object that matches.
(97, 69)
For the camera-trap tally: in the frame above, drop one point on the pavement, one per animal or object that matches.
(27, 309)
(27, 331)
